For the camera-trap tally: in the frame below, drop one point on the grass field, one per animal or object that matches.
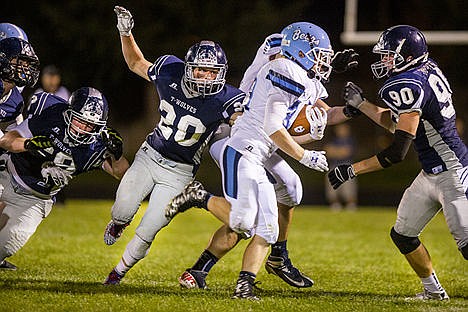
(350, 256)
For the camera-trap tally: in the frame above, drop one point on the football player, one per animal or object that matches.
(280, 85)
(62, 140)
(11, 102)
(287, 184)
(194, 100)
(420, 110)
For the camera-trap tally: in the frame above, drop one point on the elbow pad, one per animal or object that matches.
(397, 151)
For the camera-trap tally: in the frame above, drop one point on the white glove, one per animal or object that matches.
(124, 20)
(272, 44)
(59, 176)
(315, 160)
(317, 118)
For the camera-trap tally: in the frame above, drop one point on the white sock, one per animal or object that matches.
(136, 250)
(432, 283)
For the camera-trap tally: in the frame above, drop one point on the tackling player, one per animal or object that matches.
(60, 141)
(194, 101)
(420, 110)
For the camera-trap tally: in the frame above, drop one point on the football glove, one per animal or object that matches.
(60, 177)
(317, 118)
(272, 44)
(37, 143)
(113, 142)
(344, 60)
(315, 160)
(124, 21)
(340, 175)
(352, 95)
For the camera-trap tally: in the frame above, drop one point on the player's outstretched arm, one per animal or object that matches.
(133, 56)
(353, 97)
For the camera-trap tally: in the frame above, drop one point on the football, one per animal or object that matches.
(300, 126)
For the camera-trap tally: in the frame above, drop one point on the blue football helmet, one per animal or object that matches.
(308, 45)
(86, 116)
(8, 30)
(210, 55)
(400, 47)
(18, 62)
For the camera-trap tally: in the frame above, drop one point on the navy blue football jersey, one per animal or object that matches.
(12, 107)
(187, 122)
(48, 120)
(426, 90)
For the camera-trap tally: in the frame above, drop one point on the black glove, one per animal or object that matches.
(341, 174)
(344, 60)
(351, 112)
(113, 141)
(352, 95)
(37, 143)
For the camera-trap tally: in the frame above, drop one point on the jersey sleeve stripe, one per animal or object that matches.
(153, 71)
(41, 103)
(285, 83)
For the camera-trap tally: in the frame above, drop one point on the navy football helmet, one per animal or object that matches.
(8, 30)
(86, 116)
(308, 45)
(210, 55)
(18, 62)
(400, 47)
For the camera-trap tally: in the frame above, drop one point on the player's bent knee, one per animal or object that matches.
(464, 252)
(404, 243)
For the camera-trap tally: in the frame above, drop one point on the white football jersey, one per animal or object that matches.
(281, 78)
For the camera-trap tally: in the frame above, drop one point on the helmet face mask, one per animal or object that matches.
(207, 56)
(309, 46)
(400, 47)
(19, 63)
(86, 116)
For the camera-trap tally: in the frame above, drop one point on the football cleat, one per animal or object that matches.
(5, 265)
(193, 279)
(244, 288)
(113, 232)
(285, 270)
(113, 278)
(193, 195)
(429, 295)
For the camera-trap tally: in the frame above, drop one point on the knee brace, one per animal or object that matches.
(464, 252)
(404, 243)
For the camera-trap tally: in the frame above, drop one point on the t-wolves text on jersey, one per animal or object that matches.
(187, 123)
(426, 90)
(48, 120)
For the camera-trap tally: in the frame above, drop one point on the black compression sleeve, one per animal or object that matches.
(396, 152)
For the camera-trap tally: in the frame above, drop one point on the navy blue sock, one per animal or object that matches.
(244, 274)
(206, 261)
(279, 249)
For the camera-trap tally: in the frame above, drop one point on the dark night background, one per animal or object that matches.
(80, 37)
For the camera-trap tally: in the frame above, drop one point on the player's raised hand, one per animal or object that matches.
(352, 95)
(317, 118)
(340, 175)
(124, 20)
(344, 60)
(315, 160)
(272, 44)
(37, 143)
(113, 141)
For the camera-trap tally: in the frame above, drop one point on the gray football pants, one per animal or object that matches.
(149, 173)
